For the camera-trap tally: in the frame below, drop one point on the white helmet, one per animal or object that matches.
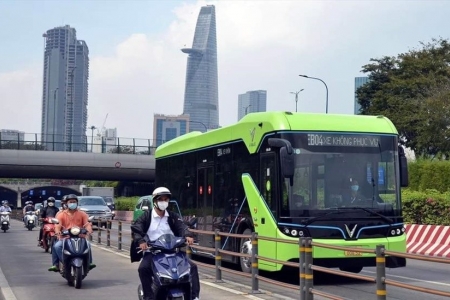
(161, 191)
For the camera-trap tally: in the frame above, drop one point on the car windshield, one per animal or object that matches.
(91, 201)
(335, 170)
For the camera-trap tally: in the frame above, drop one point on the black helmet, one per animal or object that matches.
(70, 197)
(51, 199)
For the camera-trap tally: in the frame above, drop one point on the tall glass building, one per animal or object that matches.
(64, 90)
(252, 101)
(201, 95)
(166, 128)
(359, 81)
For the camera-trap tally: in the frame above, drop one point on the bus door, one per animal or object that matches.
(205, 175)
(267, 225)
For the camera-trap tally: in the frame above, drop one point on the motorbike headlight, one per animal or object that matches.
(165, 279)
(75, 230)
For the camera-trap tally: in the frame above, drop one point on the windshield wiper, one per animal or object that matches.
(313, 219)
(388, 220)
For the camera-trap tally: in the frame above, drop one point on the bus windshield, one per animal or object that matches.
(335, 171)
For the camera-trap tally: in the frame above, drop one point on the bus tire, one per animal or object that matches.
(246, 248)
(351, 269)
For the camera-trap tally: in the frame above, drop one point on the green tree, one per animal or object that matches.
(413, 90)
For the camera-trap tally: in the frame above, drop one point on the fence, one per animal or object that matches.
(77, 143)
(305, 266)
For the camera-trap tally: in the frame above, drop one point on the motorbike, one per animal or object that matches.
(4, 219)
(74, 265)
(48, 236)
(30, 220)
(171, 269)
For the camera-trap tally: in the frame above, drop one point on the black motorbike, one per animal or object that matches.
(171, 269)
(74, 265)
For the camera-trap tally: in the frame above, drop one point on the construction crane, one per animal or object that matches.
(101, 130)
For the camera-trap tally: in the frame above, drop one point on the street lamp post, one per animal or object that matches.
(296, 98)
(198, 122)
(92, 137)
(54, 116)
(246, 108)
(326, 87)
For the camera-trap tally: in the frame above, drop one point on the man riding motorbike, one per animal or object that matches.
(67, 219)
(154, 223)
(28, 207)
(63, 203)
(49, 211)
(5, 206)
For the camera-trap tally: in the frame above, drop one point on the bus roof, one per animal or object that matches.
(252, 127)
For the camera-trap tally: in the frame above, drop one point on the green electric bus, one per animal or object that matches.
(335, 178)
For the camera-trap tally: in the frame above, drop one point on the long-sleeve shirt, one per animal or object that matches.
(5, 209)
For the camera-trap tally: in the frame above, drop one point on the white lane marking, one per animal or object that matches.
(5, 289)
(246, 295)
(205, 282)
(410, 278)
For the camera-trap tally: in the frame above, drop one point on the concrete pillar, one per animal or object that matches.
(19, 197)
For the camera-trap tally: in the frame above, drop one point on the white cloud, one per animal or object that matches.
(261, 45)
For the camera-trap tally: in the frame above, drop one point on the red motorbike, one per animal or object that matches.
(48, 236)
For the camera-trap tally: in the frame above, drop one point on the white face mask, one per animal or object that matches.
(162, 205)
(51, 204)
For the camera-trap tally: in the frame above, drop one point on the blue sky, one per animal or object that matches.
(137, 68)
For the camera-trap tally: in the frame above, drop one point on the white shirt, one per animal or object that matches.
(158, 226)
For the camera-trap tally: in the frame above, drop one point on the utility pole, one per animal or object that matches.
(92, 137)
(296, 98)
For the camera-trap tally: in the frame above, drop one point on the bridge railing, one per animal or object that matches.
(77, 143)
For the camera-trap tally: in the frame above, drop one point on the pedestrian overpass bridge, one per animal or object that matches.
(16, 163)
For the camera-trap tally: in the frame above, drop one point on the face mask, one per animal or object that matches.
(51, 204)
(355, 187)
(162, 205)
(72, 205)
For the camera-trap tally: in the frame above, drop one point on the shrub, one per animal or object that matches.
(126, 203)
(429, 207)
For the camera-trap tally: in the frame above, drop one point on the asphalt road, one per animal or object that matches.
(419, 273)
(24, 275)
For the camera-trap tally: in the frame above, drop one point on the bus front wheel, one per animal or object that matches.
(246, 248)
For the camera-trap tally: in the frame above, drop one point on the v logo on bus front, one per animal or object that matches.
(351, 232)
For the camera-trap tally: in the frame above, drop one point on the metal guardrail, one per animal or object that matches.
(305, 265)
(83, 143)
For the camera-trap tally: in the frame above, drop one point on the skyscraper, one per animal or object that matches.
(252, 101)
(166, 128)
(201, 95)
(359, 81)
(65, 90)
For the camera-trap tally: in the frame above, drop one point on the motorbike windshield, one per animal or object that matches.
(167, 242)
(344, 172)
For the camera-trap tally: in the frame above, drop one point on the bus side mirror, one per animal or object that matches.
(404, 182)
(287, 163)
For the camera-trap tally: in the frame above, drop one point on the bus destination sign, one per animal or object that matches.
(343, 140)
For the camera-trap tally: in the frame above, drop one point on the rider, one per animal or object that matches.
(49, 211)
(67, 219)
(63, 203)
(153, 223)
(5, 207)
(28, 207)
